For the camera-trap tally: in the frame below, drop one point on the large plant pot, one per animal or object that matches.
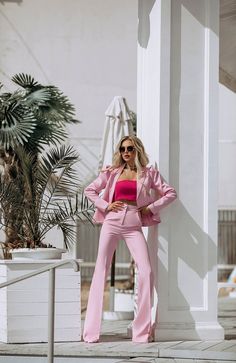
(124, 300)
(37, 253)
(24, 305)
(123, 306)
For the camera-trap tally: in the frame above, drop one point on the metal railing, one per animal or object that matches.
(51, 297)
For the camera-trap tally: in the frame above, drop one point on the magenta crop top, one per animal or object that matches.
(126, 189)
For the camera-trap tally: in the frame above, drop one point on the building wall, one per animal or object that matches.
(86, 48)
(227, 148)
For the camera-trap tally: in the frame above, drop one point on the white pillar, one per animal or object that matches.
(178, 123)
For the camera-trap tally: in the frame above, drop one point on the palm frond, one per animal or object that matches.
(56, 176)
(45, 134)
(39, 97)
(59, 161)
(61, 108)
(25, 80)
(69, 233)
(35, 115)
(84, 208)
(17, 122)
(64, 216)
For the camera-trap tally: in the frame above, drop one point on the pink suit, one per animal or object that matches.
(153, 192)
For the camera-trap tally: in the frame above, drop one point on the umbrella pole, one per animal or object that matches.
(112, 284)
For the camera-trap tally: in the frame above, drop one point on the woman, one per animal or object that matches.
(133, 196)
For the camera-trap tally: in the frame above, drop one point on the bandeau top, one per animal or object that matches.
(126, 190)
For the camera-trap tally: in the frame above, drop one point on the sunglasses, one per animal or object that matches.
(130, 149)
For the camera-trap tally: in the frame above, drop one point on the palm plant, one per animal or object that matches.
(43, 205)
(38, 190)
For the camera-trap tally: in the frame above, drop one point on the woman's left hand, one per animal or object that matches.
(145, 211)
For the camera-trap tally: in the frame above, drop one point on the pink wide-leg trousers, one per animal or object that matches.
(122, 225)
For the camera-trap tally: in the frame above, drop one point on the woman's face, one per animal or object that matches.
(128, 151)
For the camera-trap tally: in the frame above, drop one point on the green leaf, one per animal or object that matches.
(25, 80)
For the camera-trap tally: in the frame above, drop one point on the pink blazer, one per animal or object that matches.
(152, 191)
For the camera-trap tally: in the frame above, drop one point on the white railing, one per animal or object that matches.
(51, 297)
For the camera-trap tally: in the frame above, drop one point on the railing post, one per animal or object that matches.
(51, 315)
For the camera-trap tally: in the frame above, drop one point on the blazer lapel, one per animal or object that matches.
(116, 177)
(140, 182)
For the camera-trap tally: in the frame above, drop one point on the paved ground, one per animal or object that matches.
(227, 316)
(116, 345)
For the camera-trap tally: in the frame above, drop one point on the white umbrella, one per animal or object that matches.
(117, 124)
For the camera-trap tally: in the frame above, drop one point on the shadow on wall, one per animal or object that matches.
(187, 261)
(145, 8)
(144, 22)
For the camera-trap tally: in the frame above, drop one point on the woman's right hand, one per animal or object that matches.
(115, 206)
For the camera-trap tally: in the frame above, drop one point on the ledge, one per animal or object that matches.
(13, 262)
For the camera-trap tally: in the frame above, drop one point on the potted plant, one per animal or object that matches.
(42, 195)
(38, 189)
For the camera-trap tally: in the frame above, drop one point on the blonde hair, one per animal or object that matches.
(141, 158)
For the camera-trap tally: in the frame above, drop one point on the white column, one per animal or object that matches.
(178, 123)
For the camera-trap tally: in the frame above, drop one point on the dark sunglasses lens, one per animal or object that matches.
(129, 149)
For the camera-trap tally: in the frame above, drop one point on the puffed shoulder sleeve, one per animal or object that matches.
(92, 190)
(167, 194)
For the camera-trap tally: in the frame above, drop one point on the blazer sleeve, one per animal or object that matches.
(92, 190)
(166, 193)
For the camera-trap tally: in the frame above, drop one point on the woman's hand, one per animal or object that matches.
(115, 206)
(145, 211)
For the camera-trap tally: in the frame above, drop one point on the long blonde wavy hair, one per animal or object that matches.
(141, 158)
